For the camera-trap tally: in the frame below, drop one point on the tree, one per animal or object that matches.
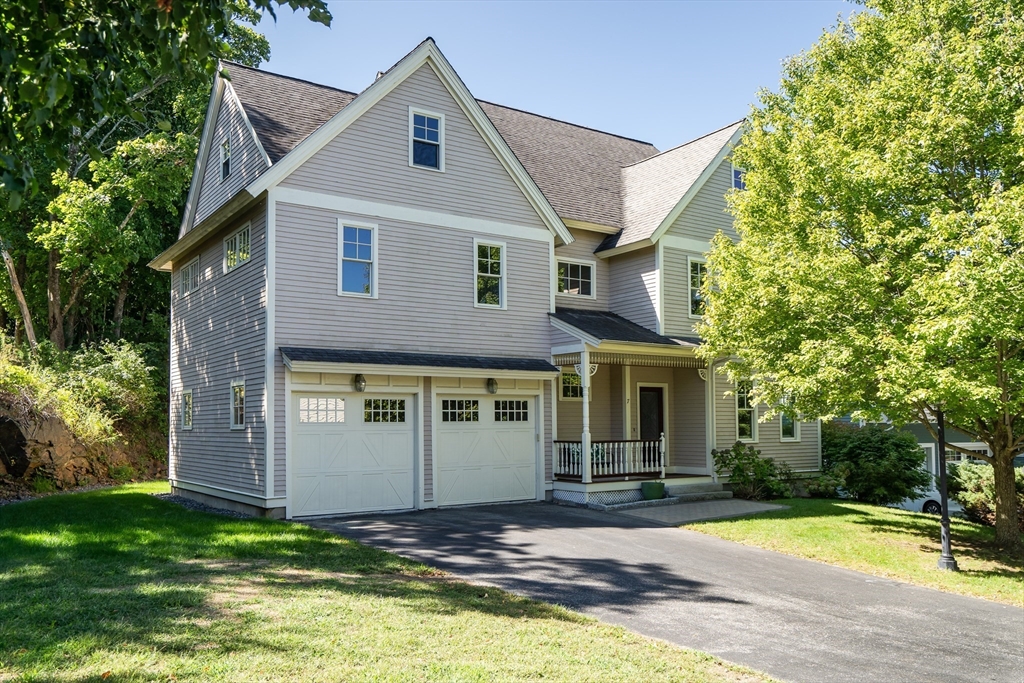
(880, 266)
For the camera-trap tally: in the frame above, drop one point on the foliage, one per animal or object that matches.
(751, 476)
(64, 65)
(974, 487)
(876, 464)
(827, 485)
(880, 265)
(122, 473)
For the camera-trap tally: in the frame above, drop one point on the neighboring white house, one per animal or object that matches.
(407, 298)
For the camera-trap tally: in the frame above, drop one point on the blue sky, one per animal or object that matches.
(662, 72)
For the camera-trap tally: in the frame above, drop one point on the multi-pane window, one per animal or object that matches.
(746, 413)
(186, 409)
(188, 279)
(789, 427)
(384, 410)
(238, 405)
(460, 410)
(511, 411)
(572, 386)
(321, 409)
(489, 274)
(426, 141)
(225, 159)
(575, 278)
(357, 260)
(236, 249)
(698, 271)
(739, 178)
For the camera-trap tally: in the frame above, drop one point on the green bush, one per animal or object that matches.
(825, 486)
(877, 464)
(751, 476)
(122, 473)
(974, 487)
(43, 485)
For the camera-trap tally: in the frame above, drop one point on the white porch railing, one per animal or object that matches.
(611, 459)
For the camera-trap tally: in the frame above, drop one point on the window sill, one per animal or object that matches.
(228, 271)
(489, 307)
(428, 168)
(789, 441)
(238, 428)
(567, 295)
(358, 296)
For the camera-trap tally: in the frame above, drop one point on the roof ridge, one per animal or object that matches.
(290, 78)
(568, 123)
(689, 142)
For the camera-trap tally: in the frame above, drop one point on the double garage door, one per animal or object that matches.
(353, 453)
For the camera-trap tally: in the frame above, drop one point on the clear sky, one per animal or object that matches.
(662, 72)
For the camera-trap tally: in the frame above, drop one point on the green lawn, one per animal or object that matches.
(116, 585)
(882, 541)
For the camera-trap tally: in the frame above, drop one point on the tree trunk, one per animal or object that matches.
(26, 316)
(122, 294)
(56, 315)
(1007, 529)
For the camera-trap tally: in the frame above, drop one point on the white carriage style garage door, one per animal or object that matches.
(351, 453)
(486, 450)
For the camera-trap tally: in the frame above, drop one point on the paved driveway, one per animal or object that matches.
(795, 619)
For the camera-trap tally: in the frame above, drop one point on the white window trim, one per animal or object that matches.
(689, 285)
(374, 264)
(231, 405)
(593, 277)
(477, 243)
(796, 431)
(181, 274)
(441, 144)
(567, 398)
(225, 157)
(191, 400)
(247, 226)
(754, 424)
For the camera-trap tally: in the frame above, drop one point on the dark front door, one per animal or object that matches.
(652, 413)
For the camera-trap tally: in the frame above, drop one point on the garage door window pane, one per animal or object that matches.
(384, 410)
(511, 411)
(460, 410)
(321, 410)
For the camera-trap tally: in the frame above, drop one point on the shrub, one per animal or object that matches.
(43, 485)
(825, 486)
(751, 476)
(974, 487)
(121, 473)
(877, 464)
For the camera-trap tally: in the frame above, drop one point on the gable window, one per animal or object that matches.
(746, 413)
(698, 271)
(739, 178)
(576, 278)
(186, 409)
(357, 276)
(236, 249)
(238, 404)
(490, 275)
(188, 279)
(426, 139)
(225, 158)
(572, 387)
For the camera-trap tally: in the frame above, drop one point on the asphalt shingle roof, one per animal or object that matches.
(434, 360)
(608, 326)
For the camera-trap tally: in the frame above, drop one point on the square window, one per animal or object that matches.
(460, 410)
(575, 279)
(357, 260)
(426, 141)
(572, 385)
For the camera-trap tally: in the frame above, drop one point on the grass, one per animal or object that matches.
(116, 585)
(884, 542)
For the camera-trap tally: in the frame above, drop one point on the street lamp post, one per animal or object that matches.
(946, 559)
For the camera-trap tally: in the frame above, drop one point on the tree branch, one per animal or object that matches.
(137, 96)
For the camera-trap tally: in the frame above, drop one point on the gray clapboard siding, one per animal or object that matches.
(558, 338)
(570, 411)
(687, 419)
(705, 215)
(677, 291)
(246, 160)
(428, 441)
(583, 250)
(370, 160)
(218, 334)
(634, 287)
(280, 431)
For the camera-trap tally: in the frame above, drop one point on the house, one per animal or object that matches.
(407, 298)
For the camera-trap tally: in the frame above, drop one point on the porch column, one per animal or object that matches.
(585, 388)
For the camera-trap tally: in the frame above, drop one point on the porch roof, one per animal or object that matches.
(306, 358)
(608, 326)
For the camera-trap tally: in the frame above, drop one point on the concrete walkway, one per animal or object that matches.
(795, 619)
(697, 511)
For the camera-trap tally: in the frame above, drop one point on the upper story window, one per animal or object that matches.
(739, 178)
(746, 412)
(188, 279)
(238, 404)
(576, 278)
(357, 244)
(225, 158)
(236, 249)
(426, 139)
(490, 275)
(698, 271)
(186, 409)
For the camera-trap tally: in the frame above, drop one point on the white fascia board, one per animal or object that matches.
(686, 244)
(426, 53)
(667, 222)
(209, 123)
(624, 249)
(362, 207)
(410, 370)
(248, 126)
(566, 348)
(574, 331)
(164, 261)
(647, 349)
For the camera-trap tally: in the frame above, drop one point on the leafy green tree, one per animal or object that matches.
(880, 266)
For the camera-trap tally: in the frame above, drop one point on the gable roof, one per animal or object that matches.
(654, 187)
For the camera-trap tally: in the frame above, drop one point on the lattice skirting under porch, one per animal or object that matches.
(600, 497)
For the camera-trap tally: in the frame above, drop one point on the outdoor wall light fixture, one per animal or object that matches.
(492, 386)
(359, 382)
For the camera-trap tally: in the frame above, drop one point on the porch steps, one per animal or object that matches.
(690, 492)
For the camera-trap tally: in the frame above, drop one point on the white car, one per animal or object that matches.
(929, 502)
